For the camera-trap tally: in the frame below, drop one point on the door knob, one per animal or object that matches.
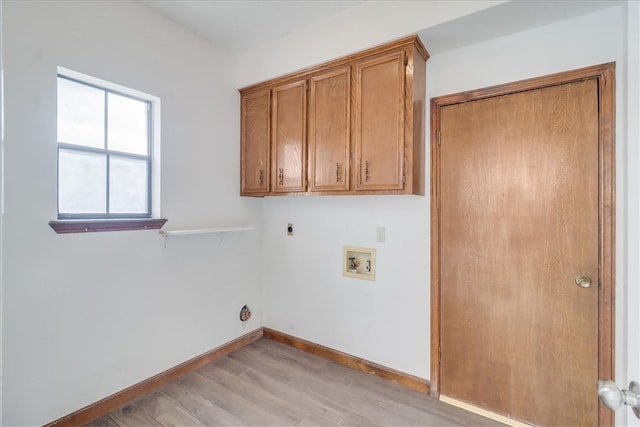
(613, 398)
(583, 281)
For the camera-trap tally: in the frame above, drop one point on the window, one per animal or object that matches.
(105, 150)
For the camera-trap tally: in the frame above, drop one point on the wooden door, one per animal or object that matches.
(329, 123)
(379, 122)
(254, 141)
(289, 137)
(524, 189)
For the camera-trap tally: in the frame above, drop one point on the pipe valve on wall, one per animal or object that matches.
(612, 397)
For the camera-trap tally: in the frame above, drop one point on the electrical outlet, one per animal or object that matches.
(380, 234)
(289, 229)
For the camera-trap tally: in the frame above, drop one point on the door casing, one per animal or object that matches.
(605, 75)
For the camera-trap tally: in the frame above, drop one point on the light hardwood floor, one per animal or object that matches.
(271, 384)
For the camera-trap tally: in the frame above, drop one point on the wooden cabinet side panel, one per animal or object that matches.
(415, 124)
(288, 135)
(329, 130)
(254, 143)
(379, 111)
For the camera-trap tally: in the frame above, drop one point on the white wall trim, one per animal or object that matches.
(1, 199)
(631, 303)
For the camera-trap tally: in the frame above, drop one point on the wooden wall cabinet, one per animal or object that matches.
(254, 142)
(379, 122)
(351, 126)
(288, 137)
(329, 123)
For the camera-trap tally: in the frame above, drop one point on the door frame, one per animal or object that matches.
(605, 75)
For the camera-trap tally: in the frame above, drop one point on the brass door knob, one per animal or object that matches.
(583, 281)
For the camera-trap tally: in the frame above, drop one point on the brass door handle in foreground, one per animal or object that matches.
(583, 281)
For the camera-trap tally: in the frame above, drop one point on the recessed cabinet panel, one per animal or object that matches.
(289, 137)
(379, 122)
(329, 122)
(255, 110)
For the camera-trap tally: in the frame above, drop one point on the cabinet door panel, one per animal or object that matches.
(379, 122)
(329, 122)
(254, 178)
(289, 137)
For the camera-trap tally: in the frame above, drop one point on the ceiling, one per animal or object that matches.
(237, 25)
(507, 18)
(240, 25)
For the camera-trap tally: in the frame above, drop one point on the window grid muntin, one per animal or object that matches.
(108, 153)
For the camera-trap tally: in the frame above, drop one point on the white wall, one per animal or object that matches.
(76, 329)
(365, 25)
(86, 315)
(630, 303)
(305, 294)
(1, 196)
(387, 321)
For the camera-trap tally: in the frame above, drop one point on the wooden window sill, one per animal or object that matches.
(88, 226)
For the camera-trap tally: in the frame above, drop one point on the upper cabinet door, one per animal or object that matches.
(379, 122)
(288, 136)
(329, 123)
(254, 171)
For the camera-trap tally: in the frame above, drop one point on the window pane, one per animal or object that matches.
(82, 182)
(127, 125)
(128, 185)
(80, 114)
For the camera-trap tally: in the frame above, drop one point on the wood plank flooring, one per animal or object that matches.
(271, 384)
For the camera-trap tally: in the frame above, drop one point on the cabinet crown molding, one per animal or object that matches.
(412, 40)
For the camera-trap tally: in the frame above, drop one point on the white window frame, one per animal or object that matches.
(106, 223)
(154, 146)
